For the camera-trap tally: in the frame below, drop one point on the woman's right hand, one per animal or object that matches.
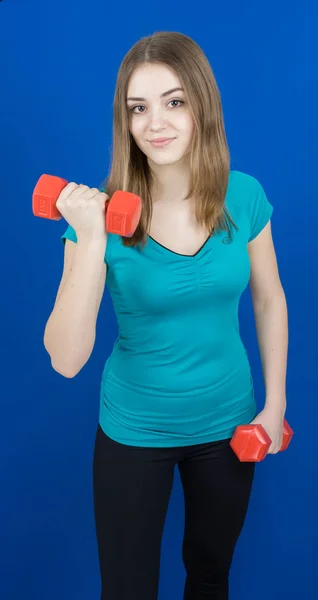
(84, 209)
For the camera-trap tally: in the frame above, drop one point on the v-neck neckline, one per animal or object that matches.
(189, 256)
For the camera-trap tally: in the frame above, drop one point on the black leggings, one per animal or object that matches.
(132, 487)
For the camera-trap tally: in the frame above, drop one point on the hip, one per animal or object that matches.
(166, 420)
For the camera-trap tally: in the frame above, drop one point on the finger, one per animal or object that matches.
(67, 190)
(82, 189)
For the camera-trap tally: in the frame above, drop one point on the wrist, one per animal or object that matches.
(277, 404)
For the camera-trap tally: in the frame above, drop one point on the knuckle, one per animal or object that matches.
(71, 186)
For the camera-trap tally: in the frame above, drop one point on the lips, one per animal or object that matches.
(161, 142)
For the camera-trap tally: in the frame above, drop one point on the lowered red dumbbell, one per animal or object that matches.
(122, 212)
(251, 443)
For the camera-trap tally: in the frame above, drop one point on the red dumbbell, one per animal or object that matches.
(251, 443)
(122, 212)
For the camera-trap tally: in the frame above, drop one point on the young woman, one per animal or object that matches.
(178, 381)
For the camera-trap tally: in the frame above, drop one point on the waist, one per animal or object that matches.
(187, 373)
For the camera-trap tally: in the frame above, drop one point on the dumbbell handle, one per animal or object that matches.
(123, 210)
(251, 443)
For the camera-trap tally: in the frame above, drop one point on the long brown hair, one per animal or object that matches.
(209, 159)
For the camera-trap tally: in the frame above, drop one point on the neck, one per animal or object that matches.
(171, 182)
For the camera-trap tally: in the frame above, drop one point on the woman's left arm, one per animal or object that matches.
(271, 318)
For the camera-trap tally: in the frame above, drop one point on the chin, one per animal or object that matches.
(165, 159)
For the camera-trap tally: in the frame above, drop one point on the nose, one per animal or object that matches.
(157, 120)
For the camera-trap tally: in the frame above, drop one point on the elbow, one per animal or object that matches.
(68, 371)
(65, 371)
(66, 363)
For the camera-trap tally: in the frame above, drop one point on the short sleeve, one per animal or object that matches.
(69, 234)
(260, 210)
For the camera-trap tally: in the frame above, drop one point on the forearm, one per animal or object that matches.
(271, 318)
(70, 331)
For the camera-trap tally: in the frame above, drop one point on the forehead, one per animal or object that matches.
(152, 80)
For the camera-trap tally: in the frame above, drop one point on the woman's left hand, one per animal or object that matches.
(273, 422)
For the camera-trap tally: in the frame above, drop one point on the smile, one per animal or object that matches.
(161, 144)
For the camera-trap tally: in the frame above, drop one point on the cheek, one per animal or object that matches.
(136, 127)
(185, 124)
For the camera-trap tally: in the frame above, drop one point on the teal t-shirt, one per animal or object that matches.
(179, 373)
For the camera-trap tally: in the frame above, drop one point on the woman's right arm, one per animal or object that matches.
(70, 331)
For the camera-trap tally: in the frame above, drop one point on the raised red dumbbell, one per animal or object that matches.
(251, 443)
(122, 212)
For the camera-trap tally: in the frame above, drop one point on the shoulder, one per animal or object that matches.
(247, 196)
(244, 185)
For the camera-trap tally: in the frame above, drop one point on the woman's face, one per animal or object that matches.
(158, 109)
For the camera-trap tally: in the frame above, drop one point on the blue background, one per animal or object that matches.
(59, 62)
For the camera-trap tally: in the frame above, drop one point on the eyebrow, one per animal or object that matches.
(138, 99)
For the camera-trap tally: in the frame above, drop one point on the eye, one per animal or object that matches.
(132, 109)
(180, 101)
